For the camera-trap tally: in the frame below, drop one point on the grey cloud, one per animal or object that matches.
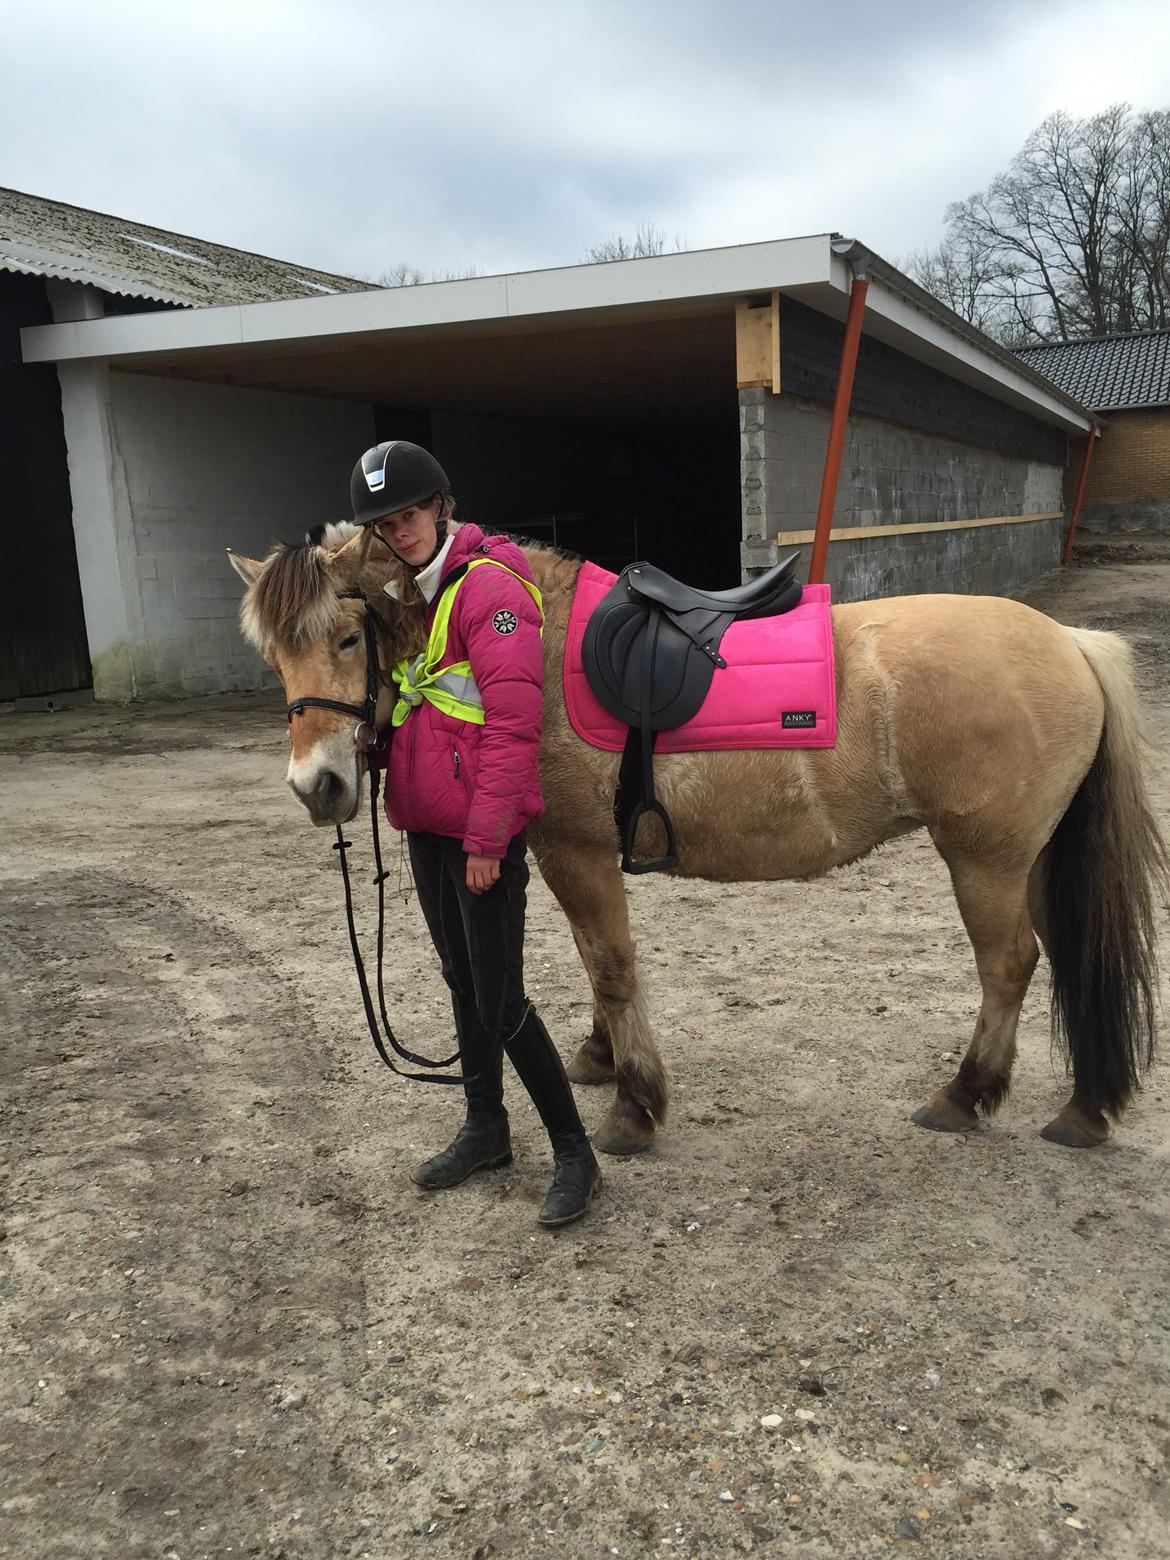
(354, 134)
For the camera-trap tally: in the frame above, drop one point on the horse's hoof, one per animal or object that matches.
(623, 1144)
(582, 1069)
(593, 1062)
(1073, 1129)
(941, 1114)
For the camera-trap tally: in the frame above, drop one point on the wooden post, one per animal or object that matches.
(757, 344)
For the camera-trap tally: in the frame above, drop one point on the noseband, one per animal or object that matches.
(366, 712)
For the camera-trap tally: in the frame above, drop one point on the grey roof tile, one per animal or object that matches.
(41, 237)
(1108, 373)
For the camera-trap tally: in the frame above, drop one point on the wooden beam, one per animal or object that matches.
(857, 533)
(757, 344)
(775, 341)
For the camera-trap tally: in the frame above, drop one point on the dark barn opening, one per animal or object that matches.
(616, 439)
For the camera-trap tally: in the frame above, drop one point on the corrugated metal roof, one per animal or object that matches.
(46, 238)
(1108, 373)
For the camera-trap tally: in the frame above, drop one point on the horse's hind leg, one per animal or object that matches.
(994, 905)
(588, 885)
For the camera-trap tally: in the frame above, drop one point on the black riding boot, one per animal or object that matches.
(482, 1142)
(576, 1177)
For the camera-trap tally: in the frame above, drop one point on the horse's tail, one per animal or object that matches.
(1107, 866)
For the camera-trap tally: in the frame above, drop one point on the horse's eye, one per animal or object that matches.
(348, 642)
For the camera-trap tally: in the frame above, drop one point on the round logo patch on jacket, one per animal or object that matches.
(504, 622)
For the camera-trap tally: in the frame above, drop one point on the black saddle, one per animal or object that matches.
(650, 653)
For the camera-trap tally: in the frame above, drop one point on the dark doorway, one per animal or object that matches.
(43, 646)
(661, 487)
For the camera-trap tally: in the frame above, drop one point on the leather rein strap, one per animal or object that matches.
(366, 714)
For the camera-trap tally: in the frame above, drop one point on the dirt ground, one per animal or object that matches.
(231, 1325)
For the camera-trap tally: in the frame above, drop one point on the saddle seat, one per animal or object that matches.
(762, 597)
(650, 652)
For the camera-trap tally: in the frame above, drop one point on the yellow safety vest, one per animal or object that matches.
(452, 688)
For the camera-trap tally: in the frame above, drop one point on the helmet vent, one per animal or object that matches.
(375, 471)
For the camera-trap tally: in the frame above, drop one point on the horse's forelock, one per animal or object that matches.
(293, 601)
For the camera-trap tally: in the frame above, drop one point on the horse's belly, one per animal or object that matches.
(770, 815)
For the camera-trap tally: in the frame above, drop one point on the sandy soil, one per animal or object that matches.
(231, 1326)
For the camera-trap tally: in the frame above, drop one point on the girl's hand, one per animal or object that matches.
(482, 872)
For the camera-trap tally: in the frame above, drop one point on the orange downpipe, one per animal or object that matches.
(1076, 511)
(836, 446)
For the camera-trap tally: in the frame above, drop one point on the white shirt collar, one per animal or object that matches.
(426, 579)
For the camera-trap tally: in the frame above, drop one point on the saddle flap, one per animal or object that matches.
(630, 653)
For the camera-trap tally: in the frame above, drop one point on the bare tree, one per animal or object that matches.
(960, 274)
(401, 275)
(406, 275)
(648, 239)
(1073, 239)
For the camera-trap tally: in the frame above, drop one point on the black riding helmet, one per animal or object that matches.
(393, 476)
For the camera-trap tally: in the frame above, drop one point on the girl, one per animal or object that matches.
(463, 782)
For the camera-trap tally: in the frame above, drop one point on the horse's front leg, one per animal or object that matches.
(593, 1062)
(587, 883)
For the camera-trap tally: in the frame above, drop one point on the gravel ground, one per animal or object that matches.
(231, 1325)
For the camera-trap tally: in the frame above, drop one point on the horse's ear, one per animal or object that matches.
(249, 569)
(351, 556)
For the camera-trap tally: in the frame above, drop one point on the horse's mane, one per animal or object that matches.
(555, 569)
(294, 600)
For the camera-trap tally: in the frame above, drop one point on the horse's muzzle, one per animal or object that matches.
(330, 799)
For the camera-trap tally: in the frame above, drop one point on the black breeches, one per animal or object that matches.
(479, 937)
(480, 942)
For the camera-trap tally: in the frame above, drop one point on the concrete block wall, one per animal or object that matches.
(166, 475)
(207, 468)
(997, 560)
(893, 474)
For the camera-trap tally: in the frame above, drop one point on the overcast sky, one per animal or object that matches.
(355, 134)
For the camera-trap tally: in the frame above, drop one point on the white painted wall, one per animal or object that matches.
(166, 475)
(106, 560)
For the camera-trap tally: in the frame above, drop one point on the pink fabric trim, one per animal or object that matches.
(773, 665)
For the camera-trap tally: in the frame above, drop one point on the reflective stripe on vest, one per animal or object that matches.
(451, 688)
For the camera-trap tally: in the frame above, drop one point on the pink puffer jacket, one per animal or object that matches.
(480, 784)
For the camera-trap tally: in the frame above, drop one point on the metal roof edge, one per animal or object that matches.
(800, 264)
(726, 271)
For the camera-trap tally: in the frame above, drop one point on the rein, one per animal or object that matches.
(366, 713)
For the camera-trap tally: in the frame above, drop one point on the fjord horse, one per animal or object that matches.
(1015, 742)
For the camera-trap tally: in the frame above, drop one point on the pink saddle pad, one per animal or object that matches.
(776, 691)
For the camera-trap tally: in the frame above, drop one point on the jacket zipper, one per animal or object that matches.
(458, 763)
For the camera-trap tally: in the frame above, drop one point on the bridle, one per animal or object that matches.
(366, 714)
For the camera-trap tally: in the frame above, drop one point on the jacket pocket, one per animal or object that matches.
(459, 771)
